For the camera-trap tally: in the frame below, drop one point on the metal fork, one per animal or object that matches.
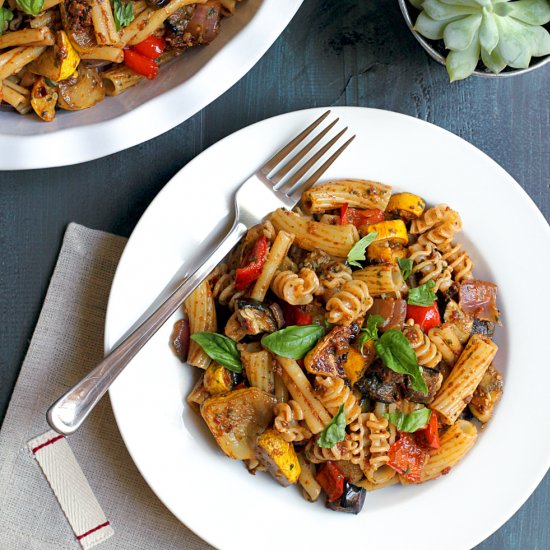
(263, 192)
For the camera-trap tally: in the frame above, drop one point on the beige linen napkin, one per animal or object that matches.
(67, 343)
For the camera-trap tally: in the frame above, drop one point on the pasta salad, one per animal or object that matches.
(70, 54)
(345, 346)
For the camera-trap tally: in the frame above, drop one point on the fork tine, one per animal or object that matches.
(275, 160)
(291, 182)
(276, 178)
(302, 187)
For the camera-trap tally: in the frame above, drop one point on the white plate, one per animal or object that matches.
(215, 496)
(183, 87)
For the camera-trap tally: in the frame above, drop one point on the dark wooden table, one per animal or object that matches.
(335, 52)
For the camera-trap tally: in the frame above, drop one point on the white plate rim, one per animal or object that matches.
(535, 477)
(71, 146)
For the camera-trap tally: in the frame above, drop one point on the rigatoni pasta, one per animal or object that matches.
(348, 368)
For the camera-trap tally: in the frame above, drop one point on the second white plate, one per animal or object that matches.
(215, 496)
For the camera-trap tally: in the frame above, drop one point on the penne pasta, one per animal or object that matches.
(335, 240)
(310, 488)
(15, 59)
(454, 444)
(468, 371)
(103, 21)
(201, 311)
(118, 79)
(315, 414)
(276, 255)
(16, 96)
(258, 366)
(27, 37)
(106, 53)
(353, 192)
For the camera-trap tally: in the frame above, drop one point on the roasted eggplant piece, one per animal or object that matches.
(485, 328)
(351, 501)
(257, 318)
(382, 384)
(237, 418)
(433, 380)
(279, 457)
(180, 339)
(487, 395)
(329, 354)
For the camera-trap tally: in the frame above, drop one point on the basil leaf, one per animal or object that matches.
(422, 295)
(405, 265)
(397, 354)
(409, 422)
(293, 342)
(334, 431)
(31, 7)
(220, 348)
(5, 16)
(123, 13)
(371, 332)
(357, 252)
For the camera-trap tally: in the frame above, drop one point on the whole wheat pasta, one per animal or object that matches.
(468, 371)
(353, 192)
(277, 253)
(454, 444)
(201, 311)
(336, 240)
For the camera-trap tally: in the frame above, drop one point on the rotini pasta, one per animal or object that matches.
(349, 303)
(328, 390)
(296, 289)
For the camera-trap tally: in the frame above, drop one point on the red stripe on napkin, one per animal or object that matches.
(78, 537)
(49, 442)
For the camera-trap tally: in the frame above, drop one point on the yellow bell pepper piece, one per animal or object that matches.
(386, 252)
(389, 230)
(58, 62)
(279, 457)
(407, 205)
(217, 379)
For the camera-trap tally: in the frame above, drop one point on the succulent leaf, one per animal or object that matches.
(513, 45)
(532, 12)
(458, 35)
(440, 12)
(462, 63)
(469, 3)
(488, 32)
(417, 4)
(539, 40)
(430, 28)
(493, 61)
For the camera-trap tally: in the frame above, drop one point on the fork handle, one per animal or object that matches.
(67, 414)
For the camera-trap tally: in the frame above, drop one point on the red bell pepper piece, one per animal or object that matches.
(294, 315)
(255, 263)
(407, 458)
(331, 479)
(151, 47)
(426, 317)
(140, 64)
(359, 217)
(429, 436)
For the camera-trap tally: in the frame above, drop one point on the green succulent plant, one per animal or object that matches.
(501, 32)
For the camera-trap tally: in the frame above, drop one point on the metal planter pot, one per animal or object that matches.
(434, 54)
